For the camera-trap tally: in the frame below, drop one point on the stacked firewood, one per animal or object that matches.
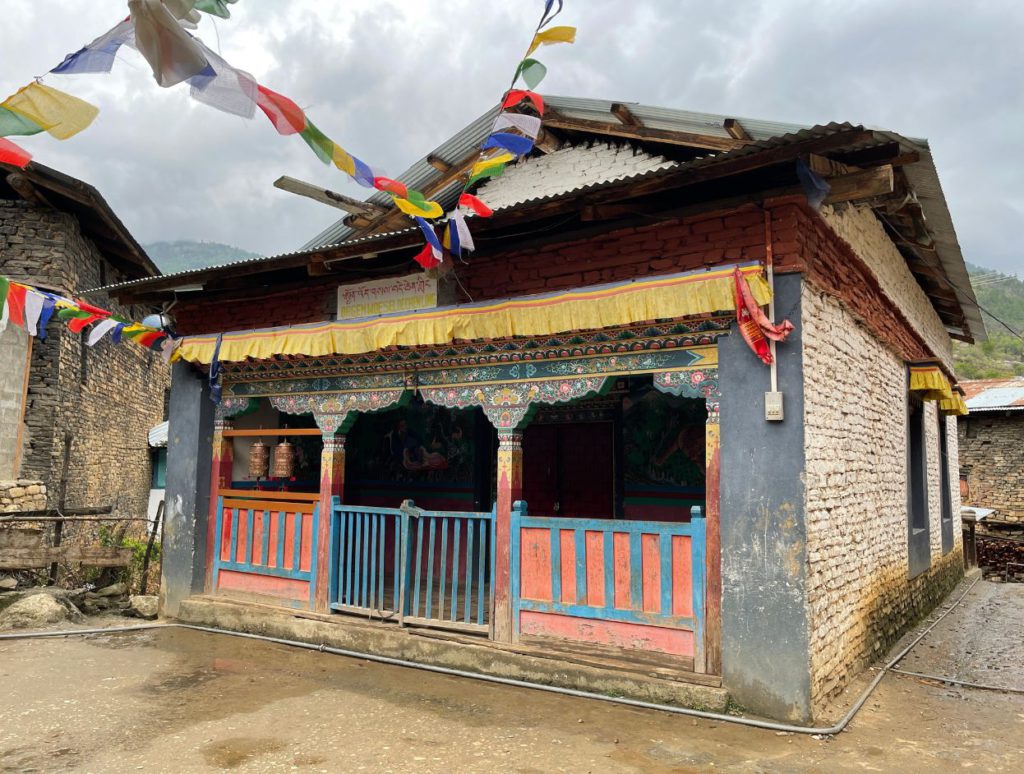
(1001, 558)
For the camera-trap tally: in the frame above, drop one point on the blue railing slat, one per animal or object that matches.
(444, 568)
(609, 569)
(419, 566)
(456, 561)
(357, 571)
(556, 564)
(265, 554)
(234, 535)
(282, 522)
(430, 570)
(665, 575)
(250, 522)
(397, 550)
(297, 542)
(349, 543)
(468, 604)
(484, 551)
(372, 577)
(581, 565)
(636, 571)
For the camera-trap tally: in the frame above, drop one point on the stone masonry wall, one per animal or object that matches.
(992, 457)
(860, 228)
(106, 397)
(22, 495)
(855, 423)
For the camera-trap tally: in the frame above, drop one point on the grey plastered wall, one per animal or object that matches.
(15, 346)
(189, 453)
(765, 636)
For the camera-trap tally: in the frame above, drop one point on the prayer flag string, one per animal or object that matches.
(32, 309)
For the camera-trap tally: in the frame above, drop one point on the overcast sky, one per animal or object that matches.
(390, 80)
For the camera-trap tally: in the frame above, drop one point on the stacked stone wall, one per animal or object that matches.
(22, 495)
(860, 596)
(992, 459)
(105, 397)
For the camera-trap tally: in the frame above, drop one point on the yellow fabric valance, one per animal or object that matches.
(603, 306)
(955, 406)
(930, 383)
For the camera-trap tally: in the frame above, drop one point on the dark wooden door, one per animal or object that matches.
(568, 470)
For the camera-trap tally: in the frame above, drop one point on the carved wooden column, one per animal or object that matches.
(510, 490)
(713, 554)
(223, 450)
(332, 484)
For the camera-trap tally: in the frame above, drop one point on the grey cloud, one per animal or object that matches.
(390, 80)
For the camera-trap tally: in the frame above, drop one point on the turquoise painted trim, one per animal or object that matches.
(282, 522)
(333, 573)
(314, 558)
(515, 570)
(234, 534)
(265, 526)
(249, 524)
(256, 569)
(217, 547)
(609, 614)
(695, 530)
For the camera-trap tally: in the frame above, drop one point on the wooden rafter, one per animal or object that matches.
(328, 197)
(736, 130)
(625, 115)
(556, 120)
(438, 163)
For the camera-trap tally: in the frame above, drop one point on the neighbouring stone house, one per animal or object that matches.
(57, 233)
(594, 461)
(991, 441)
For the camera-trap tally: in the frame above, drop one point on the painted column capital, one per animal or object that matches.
(334, 442)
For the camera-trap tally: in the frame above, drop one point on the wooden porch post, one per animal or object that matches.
(220, 478)
(713, 554)
(510, 489)
(332, 484)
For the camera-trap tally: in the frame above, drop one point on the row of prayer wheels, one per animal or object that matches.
(259, 460)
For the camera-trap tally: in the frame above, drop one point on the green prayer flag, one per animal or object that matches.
(416, 198)
(5, 285)
(532, 72)
(496, 171)
(12, 123)
(72, 313)
(321, 144)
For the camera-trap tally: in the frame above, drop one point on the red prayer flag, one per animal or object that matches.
(16, 304)
(774, 332)
(481, 209)
(12, 154)
(285, 115)
(426, 258)
(148, 338)
(515, 96)
(391, 186)
(78, 324)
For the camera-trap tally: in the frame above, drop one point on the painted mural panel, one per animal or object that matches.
(663, 454)
(421, 452)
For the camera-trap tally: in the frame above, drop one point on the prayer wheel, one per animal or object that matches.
(284, 460)
(259, 460)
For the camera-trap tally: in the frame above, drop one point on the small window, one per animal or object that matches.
(917, 488)
(159, 460)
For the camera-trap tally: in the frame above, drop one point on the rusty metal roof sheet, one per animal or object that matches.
(995, 394)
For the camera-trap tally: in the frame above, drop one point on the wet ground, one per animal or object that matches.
(178, 700)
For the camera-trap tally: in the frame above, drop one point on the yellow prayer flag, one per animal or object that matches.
(553, 35)
(430, 210)
(59, 113)
(494, 161)
(343, 161)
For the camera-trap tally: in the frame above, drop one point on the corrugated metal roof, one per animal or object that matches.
(995, 394)
(158, 435)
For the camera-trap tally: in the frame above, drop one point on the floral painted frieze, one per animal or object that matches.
(337, 412)
(694, 383)
(510, 406)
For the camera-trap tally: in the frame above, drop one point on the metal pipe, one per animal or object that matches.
(716, 716)
(950, 680)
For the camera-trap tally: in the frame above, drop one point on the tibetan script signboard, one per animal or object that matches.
(395, 294)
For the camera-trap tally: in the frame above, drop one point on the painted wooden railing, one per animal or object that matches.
(365, 573)
(264, 544)
(636, 584)
(449, 561)
(430, 568)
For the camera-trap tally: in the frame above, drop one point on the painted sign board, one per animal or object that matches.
(394, 294)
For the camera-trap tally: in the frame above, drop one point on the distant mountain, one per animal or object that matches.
(1003, 353)
(183, 255)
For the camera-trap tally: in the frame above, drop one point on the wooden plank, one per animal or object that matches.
(328, 197)
(669, 137)
(274, 432)
(736, 130)
(625, 115)
(269, 505)
(547, 142)
(877, 181)
(438, 163)
(92, 556)
(826, 167)
(242, 494)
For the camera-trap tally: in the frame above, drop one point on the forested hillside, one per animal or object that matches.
(1003, 353)
(182, 255)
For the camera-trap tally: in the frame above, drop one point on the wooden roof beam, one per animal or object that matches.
(556, 120)
(438, 163)
(625, 115)
(328, 197)
(736, 130)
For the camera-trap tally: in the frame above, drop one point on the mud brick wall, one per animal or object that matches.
(859, 595)
(106, 396)
(992, 457)
(22, 495)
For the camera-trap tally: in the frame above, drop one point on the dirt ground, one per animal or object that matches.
(178, 700)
